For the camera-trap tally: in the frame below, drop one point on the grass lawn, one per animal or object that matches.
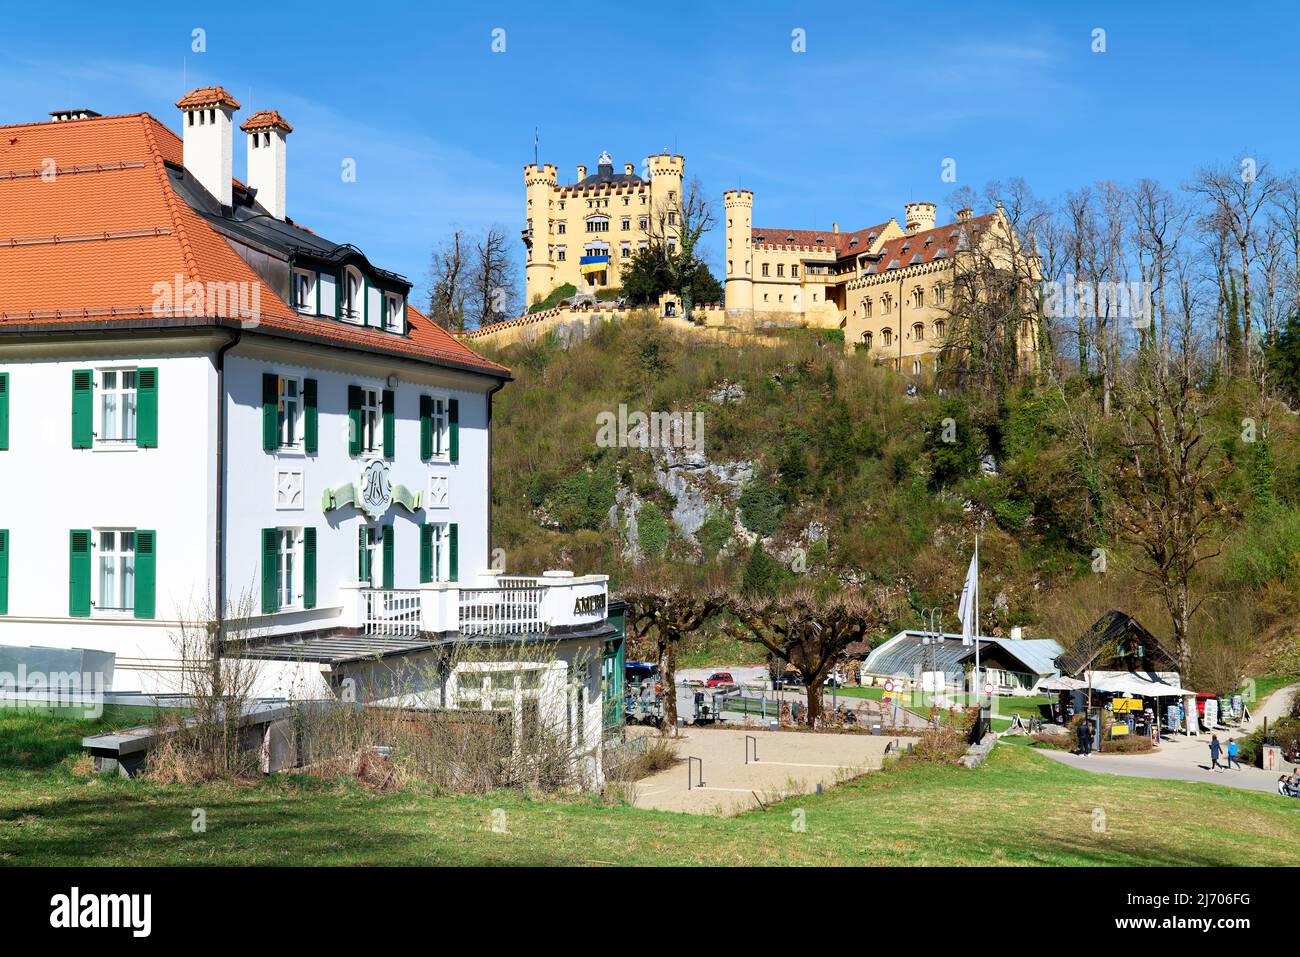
(1265, 685)
(1018, 808)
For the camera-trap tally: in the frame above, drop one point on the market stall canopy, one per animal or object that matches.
(1063, 684)
(1139, 686)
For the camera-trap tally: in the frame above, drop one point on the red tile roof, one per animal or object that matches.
(97, 236)
(207, 96)
(925, 246)
(266, 120)
(840, 243)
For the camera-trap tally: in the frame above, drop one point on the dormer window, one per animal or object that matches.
(351, 292)
(394, 313)
(304, 292)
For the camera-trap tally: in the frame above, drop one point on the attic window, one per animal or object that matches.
(871, 237)
(929, 239)
(853, 240)
(394, 313)
(789, 239)
(820, 240)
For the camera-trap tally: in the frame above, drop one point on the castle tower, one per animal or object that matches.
(666, 171)
(539, 270)
(738, 205)
(919, 218)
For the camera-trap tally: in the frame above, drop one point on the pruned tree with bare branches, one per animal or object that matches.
(665, 609)
(809, 633)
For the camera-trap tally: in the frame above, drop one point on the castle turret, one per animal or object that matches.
(539, 269)
(920, 217)
(666, 172)
(739, 207)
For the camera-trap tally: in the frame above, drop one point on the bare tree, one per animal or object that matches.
(449, 279)
(666, 609)
(674, 231)
(491, 293)
(809, 633)
(1165, 498)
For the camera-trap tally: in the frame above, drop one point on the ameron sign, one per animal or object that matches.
(589, 604)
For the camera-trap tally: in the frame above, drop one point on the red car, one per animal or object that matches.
(719, 678)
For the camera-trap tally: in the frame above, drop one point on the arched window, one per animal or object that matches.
(887, 336)
(940, 294)
(938, 328)
(351, 293)
(918, 332)
(866, 309)
(597, 224)
(866, 339)
(918, 297)
(886, 302)
(916, 367)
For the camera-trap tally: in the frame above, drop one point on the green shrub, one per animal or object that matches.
(714, 533)
(652, 530)
(584, 499)
(761, 504)
(556, 295)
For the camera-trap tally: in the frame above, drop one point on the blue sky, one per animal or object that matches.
(440, 126)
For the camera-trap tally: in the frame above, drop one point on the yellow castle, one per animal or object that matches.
(889, 287)
(586, 233)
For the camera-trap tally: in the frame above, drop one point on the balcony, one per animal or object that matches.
(487, 606)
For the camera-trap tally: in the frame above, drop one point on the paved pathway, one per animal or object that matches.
(790, 762)
(1188, 758)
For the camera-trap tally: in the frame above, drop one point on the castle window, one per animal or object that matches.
(598, 224)
(561, 229)
(672, 218)
(918, 332)
(780, 269)
(626, 223)
(764, 269)
(916, 367)
(938, 329)
(559, 253)
(625, 250)
(644, 222)
(918, 297)
(794, 272)
(866, 308)
(866, 339)
(940, 294)
(887, 336)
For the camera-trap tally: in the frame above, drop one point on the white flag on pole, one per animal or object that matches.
(966, 607)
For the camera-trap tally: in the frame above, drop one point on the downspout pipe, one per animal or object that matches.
(219, 536)
(491, 392)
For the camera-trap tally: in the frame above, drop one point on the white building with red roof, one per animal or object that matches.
(207, 408)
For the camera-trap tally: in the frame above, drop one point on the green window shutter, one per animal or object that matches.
(318, 312)
(390, 425)
(270, 561)
(365, 300)
(83, 415)
(309, 568)
(426, 427)
(310, 418)
(363, 553)
(354, 420)
(79, 573)
(146, 562)
(453, 553)
(453, 424)
(4, 410)
(426, 553)
(388, 556)
(4, 571)
(270, 411)
(146, 408)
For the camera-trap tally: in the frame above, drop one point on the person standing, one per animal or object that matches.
(1085, 737)
(1232, 754)
(1215, 750)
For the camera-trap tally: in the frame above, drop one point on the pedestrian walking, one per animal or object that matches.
(1085, 737)
(1215, 750)
(1232, 754)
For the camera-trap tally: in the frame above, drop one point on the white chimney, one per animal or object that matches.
(206, 117)
(267, 131)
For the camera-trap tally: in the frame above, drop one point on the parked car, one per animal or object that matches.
(719, 678)
(789, 679)
(834, 680)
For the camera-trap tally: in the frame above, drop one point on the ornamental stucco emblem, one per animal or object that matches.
(375, 488)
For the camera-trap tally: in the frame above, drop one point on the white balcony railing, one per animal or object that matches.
(486, 605)
(513, 609)
(392, 612)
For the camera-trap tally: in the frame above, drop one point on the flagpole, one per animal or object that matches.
(978, 685)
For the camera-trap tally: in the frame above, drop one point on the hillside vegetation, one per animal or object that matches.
(823, 470)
